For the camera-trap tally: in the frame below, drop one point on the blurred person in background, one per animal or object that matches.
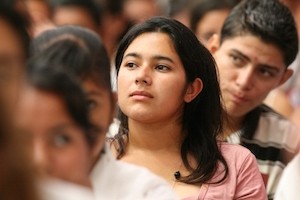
(180, 10)
(53, 114)
(208, 16)
(80, 51)
(138, 11)
(83, 13)
(113, 23)
(18, 5)
(39, 14)
(14, 44)
(17, 179)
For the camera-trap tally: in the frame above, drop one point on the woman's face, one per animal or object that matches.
(60, 148)
(151, 81)
(74, 15)
(210, 24)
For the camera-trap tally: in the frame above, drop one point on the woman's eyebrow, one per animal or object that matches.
(156, 57)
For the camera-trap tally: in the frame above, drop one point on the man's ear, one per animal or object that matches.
(213, 43)
(287, 74)
(193, 90)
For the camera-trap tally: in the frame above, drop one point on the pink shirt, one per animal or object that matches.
(244, 180)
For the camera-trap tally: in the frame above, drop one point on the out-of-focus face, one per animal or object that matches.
(101, 107)
(210, 24)
(139, 10)
(248, 70)
(59, 147)
(38, 9)
(74, 15)
(151, 81)
(12, 60)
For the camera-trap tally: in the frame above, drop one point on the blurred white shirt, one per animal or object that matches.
(115, 180)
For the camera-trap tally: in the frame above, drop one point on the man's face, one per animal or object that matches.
(248, 70)
(12, 60)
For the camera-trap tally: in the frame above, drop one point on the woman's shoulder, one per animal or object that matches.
(233, 150)
(244, 179)
(237, 156)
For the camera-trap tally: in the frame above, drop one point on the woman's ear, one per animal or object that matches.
(193, 90)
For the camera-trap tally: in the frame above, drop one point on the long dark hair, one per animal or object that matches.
(202, 118)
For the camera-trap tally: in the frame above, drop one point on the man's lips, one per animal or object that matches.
(239, 98)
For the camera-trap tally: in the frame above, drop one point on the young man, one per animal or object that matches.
(257, 43)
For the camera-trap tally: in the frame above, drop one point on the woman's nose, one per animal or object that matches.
(143, 76)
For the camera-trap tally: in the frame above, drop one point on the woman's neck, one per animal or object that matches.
(155, 137)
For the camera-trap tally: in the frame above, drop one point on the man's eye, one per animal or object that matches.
(267, 73)
(236, 60)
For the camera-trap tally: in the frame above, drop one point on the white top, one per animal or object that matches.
(289, 185)
(115, 180)
(55, 189)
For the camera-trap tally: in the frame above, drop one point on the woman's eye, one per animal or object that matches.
(61, 140)
(131, 65)
(162, 68)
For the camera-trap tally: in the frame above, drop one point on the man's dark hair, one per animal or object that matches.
(269, 20)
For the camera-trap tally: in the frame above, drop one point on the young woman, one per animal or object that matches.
(171, 115)
(80, 52)
(53, 110)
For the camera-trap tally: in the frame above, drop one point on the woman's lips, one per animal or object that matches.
(141, 95)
